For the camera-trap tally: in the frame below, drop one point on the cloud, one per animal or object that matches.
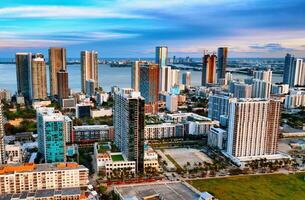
(270, 47)
(62, 12)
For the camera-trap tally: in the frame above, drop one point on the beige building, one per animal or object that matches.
(89, 68)
(57, 62)
(253, 128)
(14, 153)
(31, 177)
(39, 78)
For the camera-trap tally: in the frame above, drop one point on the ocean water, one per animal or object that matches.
(108, 77)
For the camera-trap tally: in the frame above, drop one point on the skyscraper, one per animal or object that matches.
(57, 62)
(262, 84)
(51, 129)
(128, 119)
(222, 56)
(186, 79)
(38, 80)
(135, 75)
(253, 127)
(62, 84)
(175, 76)
(149, 86)
(166, 79)
(2, 148)
(23, 74)
(208, 69)
(89, 68)
(161, 56)
(242, 90)
(294, 71)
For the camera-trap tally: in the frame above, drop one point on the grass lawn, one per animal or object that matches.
(117, 158)
(264, 187)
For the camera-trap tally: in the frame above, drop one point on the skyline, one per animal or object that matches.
(120, 28)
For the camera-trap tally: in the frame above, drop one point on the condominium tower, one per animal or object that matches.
(161, 56)
(89, 68)
(128, 119)
(23, 74)
(62, 84)
(294, 71)
(57, 62)
(52, 128)
(38, 80)
(2, 148)
(186, 79)
(208, 69)
(253, 127)
(222, 57)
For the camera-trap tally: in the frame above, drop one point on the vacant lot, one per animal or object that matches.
(184, 155)
(265, 187)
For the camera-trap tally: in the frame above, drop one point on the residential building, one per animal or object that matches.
(208, 69)
(279, 89)
(161, 56)
(83, 110)
(186, 79)
(23, 74)
(295, 99)
(253, 128)
(5, 95)
(261, 89)
(38, 80)
(219, 105)
(241, 90)
(57, 62)
(31, 177)
(164, 130)
(101, 112)
(89, 68)
(172, 103)
(222, 57)
(166, 79)
(149, 86)
(135, 76)
(52, 129)
(90, 88)
(217, 138)
(92, 133)
(294, 71)
(2, 134)
(62, 85)
(14, 153)
(175, 77)
(128, 119)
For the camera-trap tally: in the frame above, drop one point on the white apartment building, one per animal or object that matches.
(32, 177)
(14, 153)
(253, 127)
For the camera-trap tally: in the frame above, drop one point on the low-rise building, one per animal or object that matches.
(217, 138)
(164, 130)
(14, 153)
(103, 112)
(92, 133)
(32, 177)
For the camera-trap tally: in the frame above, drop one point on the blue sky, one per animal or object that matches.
(132, 28)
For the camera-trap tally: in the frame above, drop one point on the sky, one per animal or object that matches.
(132, 28)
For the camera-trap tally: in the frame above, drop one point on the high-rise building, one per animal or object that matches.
(222, 57)
(2, 148)
(175, 76)
(38, 86)
(171, 103)
(51, 129)
(208, 69)
(57, 62)
(149, 86)
(261, 89)
(186, 79)
(128, 119)
(161, 56)
(89, 68)
(294, 71)
(62, 84)
(242, 90)
(219, 106)
(90, 87)
(23, 74)
(263, 75)
(166, 79)
(135, 76)
(253, 127)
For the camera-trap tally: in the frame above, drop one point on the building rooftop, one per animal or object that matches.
(29, 167)
(166, 190)
(117, 158)
(42, 194)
